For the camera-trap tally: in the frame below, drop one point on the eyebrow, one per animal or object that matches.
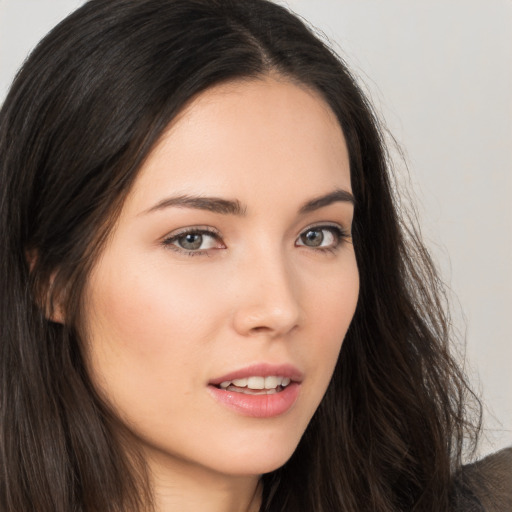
(235, 207)
(337, 196)
(211, 204)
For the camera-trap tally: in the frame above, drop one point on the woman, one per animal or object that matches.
(198, 218)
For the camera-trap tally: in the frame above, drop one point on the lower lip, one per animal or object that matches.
(258, 406)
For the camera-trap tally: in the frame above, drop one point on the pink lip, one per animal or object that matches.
(259, 406)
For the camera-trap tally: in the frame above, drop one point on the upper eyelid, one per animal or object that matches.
(327, 225)
(193, 229)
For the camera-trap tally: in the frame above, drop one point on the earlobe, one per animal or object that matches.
(55, 314)
(43, 292)
(50, 302)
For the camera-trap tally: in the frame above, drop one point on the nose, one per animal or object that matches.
(268, 301)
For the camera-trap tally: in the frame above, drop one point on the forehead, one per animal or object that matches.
(267, 134)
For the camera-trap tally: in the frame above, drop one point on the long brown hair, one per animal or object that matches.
(82, 115)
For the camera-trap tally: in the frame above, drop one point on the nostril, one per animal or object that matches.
(261, 329)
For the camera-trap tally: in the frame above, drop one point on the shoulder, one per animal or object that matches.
(486, 485)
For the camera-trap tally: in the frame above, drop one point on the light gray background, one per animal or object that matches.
(440, 74)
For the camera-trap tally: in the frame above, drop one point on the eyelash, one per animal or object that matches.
(339, 234)
(170, 241)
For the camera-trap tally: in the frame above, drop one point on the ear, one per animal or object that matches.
(54, 311)
(44, 295)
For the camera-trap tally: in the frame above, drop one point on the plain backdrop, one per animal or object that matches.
(440, 75)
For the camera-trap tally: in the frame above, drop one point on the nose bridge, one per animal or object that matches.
(269, 300)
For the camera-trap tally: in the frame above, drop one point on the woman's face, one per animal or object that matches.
(231, 269)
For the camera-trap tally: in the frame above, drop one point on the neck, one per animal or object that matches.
(179, 486)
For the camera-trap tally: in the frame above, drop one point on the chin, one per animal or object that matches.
(258, 458)
(256, 466)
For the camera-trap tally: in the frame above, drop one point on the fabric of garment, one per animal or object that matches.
(486, 485)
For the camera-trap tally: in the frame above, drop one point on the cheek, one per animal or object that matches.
(147, 310)
(332, 303)
(333, 298)
(147, 331)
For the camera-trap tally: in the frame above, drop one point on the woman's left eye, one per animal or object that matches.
(322, 237)
(194, 241)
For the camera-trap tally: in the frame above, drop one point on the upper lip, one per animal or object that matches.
(261, 370)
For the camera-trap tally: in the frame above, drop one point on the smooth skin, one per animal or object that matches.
(182, 295)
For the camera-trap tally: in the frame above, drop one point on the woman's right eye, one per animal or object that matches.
(194, 241)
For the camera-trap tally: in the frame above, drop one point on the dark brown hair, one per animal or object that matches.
(82, 115)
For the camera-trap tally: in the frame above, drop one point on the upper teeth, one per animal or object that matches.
(270, 382)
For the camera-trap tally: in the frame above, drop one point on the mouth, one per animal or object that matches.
(261, 390)
(256, 385)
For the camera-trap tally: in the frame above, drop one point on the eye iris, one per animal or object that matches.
(191, 241)
(312, 238)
